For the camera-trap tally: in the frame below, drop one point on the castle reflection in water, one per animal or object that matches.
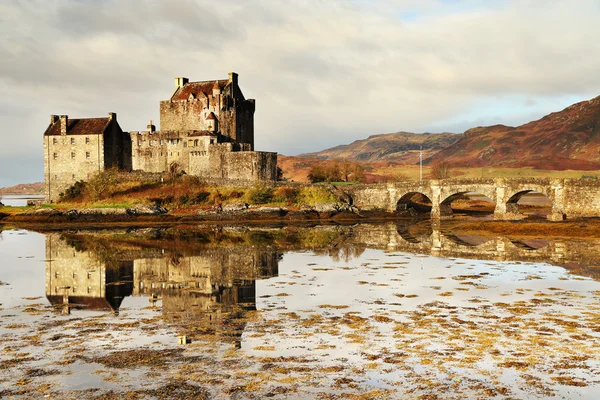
(209, 287)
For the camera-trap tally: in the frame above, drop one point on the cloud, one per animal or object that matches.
(323, 73)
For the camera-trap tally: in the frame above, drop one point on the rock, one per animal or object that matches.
(271, 211)
(333, 207)
(47, 211)
(146, 210)
(34, 203)
(305, 214)
(101, 211)
(235, 207)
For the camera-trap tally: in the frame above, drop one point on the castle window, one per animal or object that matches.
(184, 144)
(72, 155)
(161, 142)
(87, 140)
(196, 143)
(87, 154)
(74, 275)
(89, 289)
(89, 275)
(73, 176)
(150, 142)
(139, 142)
(55, 155)
(72, 140)
(54, 141)
(74, 289)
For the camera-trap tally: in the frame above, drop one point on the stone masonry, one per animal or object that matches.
(76, 149)
(570, 198)
(207, 130)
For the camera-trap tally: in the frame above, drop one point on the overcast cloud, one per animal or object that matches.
(323, 72)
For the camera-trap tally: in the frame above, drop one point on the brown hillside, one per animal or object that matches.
(24, 188)
(399, 147)
(569, 139)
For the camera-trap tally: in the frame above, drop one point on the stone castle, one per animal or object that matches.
(207, 130)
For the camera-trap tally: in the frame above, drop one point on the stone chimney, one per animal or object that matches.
(53, 119)
(151, 127)
(112, 116)
(64, 122)
(180, 82)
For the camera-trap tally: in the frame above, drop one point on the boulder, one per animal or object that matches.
(146, 210)
(235, 207)
(268, 211)
(102, 211)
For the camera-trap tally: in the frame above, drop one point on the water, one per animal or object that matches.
(380, 311)
(19, 200)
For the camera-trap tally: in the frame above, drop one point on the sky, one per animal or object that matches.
(323, 72)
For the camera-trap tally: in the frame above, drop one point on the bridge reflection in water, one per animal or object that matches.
(205, 281)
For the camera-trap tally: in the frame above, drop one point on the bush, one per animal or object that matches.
(287, 195)
(315, 195)
(74, 192)
(201, 197)
(260, 195)
(236, 194)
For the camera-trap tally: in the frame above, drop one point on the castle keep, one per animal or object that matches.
(207, 130)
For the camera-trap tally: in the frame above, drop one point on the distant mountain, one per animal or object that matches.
(568, 139)
(400, 147)
(24, 188)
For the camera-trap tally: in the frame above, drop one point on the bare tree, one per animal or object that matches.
(100, 183)
(440, 170)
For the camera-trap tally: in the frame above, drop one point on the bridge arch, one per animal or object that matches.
(537, 198)
(483, 205)
(414, 203)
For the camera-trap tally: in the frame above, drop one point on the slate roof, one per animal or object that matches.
(81, 126)
(199, 89)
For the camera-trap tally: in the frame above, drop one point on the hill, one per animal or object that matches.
(568, 139)
(399, 147)
(24, 188)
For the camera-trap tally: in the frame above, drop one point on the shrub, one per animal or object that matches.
(201, 197)
(236, 194)
(260, 195)
(315, 195)
(184, 199)
(74, 192)
(286, 194)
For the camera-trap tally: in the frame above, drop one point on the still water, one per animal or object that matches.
(363, 311)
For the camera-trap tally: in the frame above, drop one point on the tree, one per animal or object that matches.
(440, 170)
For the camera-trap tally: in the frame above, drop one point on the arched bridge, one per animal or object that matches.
(570, 198)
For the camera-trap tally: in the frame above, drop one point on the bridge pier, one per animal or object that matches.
(558, 201)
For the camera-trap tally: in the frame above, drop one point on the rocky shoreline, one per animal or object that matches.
(237, 212)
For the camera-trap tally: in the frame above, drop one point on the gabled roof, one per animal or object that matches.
(81, 126)
(199, 89)
(211, 116)
(87, 302)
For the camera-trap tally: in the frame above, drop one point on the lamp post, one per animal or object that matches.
(421, 164)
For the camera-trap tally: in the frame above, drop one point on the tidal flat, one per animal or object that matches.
(326, 312)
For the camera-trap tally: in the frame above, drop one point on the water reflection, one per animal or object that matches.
(347, 308)
(201, 290)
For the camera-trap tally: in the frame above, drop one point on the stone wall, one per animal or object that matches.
(570, 198)
(201, 156)
(68, 159)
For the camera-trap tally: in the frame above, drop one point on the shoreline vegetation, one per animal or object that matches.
(114, 198)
